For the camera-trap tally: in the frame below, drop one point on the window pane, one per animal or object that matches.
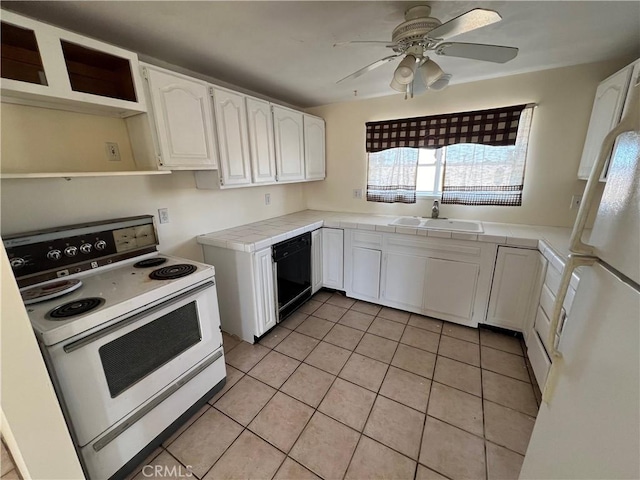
(427, 156)
(426, 178)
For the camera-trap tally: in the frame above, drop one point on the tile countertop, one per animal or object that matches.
(553, 242)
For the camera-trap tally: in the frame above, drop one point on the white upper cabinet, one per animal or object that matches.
(263, 156)
(233, 137)
(607, 110)
(289, 144)
(50, 67)
(183, 120)
(314, 150)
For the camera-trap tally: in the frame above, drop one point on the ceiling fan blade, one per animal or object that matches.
(473, 19)
(368, 68)
(365, 42)
(477, 51)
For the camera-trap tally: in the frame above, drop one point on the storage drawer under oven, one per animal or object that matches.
(105, 374)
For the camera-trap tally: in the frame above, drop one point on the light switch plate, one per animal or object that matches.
(163, 215)
(267, 199)
(357, 193)
(576, 200)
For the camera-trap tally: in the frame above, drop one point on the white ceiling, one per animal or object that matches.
(285, 49)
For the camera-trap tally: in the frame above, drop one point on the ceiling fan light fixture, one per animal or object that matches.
(441, 83)
(405, 71)
(398, 87)
(430, 72)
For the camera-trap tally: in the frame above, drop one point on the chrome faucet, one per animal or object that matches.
(435, 210)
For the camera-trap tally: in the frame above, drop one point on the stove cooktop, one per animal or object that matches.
(115, 291)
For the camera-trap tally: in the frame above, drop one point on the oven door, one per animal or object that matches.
(103, 375)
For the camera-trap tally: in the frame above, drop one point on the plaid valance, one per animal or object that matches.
(496, 127)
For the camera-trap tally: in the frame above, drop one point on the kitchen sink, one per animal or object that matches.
(450, 224)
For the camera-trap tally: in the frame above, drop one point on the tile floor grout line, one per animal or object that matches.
(373, 405)
(426, 410)
(484, 424)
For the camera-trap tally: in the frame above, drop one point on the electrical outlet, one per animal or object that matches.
(357, 193)
(113, 152)
(163, 214)
(267, 199)
(576, 200)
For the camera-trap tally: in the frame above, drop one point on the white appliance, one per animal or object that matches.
(146, 352)
(589, 422)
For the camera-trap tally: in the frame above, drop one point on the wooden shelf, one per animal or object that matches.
(5, 176)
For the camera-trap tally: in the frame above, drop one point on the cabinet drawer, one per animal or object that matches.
(552, 279)
(542, 324)
(366, 240)
(547, 299)
(539, 360)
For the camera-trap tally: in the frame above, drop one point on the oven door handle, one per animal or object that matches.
(75, 345)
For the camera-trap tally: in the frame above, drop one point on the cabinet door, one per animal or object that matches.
(233, 137)
(514, 284)
(261, 143)
(265, 294)
(316, 260)
(404, 277)
(183, 120)
(289, 144)
(314, 153)
(606, 112)
(332, 258)
(365, 278)
(450, 289)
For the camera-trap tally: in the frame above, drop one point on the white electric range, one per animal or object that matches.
(131, 337)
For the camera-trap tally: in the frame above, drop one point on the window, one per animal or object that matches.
(470, 158)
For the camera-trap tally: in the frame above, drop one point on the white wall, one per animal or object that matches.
(564, 97)
(50, 136)
(32, 422)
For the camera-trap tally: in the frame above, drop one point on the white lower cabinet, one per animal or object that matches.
(365, 281)
(404, 277)
(265, 294)
(444, 278)
(515, 288)
(450, 289)
(333, 258)
(316, 260)
(246, 290)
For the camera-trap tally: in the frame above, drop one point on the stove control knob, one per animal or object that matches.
(85, 248)
(101, 245)
(71, 251)
(54, 254)
(17, 263)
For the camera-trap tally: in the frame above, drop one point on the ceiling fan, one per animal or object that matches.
(420, 34)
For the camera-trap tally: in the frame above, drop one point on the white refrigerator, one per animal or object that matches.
(588, 426)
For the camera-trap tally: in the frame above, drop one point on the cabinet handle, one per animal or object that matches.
(629, 122)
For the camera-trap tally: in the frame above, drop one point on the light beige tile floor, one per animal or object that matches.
(347, 389)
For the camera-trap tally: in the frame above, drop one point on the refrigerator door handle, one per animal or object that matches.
(630, 121)
(558, 317)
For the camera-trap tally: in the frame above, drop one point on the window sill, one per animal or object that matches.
(427, 196)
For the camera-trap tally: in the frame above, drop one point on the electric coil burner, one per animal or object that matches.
(77, 307)
(150, 262)
(172, 272)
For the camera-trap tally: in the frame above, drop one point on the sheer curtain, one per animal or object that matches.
(477, 174)
(392, 176)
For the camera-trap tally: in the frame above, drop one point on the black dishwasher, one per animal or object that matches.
(292, 260)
